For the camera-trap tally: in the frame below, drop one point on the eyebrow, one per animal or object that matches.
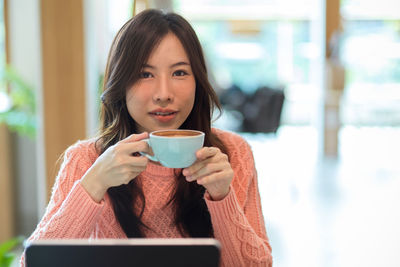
(180, 63)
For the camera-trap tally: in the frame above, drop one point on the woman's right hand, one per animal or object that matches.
(116, 166)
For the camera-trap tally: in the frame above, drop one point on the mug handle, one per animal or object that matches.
(150, 157)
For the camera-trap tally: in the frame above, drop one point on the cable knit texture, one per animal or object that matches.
(237, 219)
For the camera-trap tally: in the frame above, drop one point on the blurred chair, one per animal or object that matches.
(233, 98)
(262, 110)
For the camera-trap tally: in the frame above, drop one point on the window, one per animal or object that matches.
(252, 44)
(371, 53)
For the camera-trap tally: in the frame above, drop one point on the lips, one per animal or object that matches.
(163, 115)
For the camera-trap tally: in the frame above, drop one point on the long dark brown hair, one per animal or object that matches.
(129, 52)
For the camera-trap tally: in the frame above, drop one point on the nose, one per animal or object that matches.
(163, 92)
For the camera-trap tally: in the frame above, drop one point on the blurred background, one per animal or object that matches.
(313, 85)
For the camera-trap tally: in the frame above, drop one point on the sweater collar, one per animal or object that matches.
(154, 169)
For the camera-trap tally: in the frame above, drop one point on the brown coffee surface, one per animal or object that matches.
(176, 133)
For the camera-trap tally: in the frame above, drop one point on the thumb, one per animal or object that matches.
(135, 137)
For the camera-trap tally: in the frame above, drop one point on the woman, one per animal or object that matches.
(156, 79)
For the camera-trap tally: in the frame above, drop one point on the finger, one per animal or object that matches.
(209, 179)
(207, 169)
(134, 138)
(133, 169)
(202, 154)
(131, 164)
(207, 155)
(138, 163)
(132, 176)
(195, 167)
(207, 152)
(131, 148)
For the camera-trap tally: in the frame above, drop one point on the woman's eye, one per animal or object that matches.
(145, 75)
(180, 73)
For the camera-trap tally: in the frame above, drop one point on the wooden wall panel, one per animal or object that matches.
(63, 79)
(7, 227)
(334, 81)
(6, 186)
(332, 22)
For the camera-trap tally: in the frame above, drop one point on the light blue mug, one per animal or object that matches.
(175, 148)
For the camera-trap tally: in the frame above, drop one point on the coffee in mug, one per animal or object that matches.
(176, 133)
(175, 148)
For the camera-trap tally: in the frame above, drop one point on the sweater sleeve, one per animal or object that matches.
(237, 219)
(71, 212)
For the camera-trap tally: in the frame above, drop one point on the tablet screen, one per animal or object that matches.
(186, 252)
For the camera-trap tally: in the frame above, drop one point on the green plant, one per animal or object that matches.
(20, 114)
(6, 255)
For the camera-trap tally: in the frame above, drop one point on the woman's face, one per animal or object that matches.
(164, 95)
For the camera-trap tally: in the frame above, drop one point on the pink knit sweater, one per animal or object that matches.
(237, 219)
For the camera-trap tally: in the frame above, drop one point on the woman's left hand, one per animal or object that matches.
(211, 170)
